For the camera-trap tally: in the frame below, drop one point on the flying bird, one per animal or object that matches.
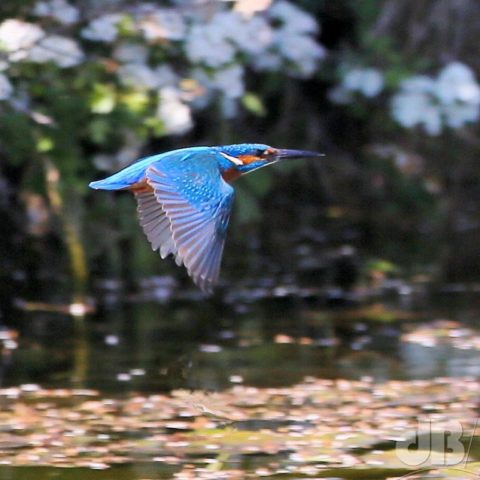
(184, 199)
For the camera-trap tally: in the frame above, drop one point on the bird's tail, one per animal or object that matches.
(124, 178)
(107, 184)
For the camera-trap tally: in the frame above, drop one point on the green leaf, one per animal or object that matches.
(155, 125)
(126, 26)
(99, 130)
(381, 265)
(45, 144)
(135, 101)
(103, 98)
(253, 103)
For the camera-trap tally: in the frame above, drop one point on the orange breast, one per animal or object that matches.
(142, 186)
(230, 175)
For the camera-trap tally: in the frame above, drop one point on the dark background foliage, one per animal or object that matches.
(419, 214)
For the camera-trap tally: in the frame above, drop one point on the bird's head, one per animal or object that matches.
(246, 157)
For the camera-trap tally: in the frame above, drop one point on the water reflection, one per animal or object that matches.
(210, 345)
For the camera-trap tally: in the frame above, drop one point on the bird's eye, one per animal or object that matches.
(267, 152)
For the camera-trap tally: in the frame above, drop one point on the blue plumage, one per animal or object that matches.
(243, 149)
(136, 172)
(184, 200)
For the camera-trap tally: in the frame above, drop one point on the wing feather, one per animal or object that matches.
(154, 222)
(184, 209)
(197, 203)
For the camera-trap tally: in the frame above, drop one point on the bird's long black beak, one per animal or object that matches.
(283, 154)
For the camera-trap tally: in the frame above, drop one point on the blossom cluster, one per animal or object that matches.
(204, 52)
(451, 99)
(368, 82)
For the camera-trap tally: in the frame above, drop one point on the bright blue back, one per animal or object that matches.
(136, 172)
(243, 149)
(176, 160)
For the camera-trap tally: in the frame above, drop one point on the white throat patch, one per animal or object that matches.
(234, 160)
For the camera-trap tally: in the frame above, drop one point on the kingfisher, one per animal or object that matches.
(184, 199)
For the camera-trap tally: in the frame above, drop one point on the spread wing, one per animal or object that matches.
(186, 212)
(154, 222)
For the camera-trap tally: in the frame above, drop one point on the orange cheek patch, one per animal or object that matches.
(247, 159)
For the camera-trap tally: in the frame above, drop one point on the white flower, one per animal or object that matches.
(175, 115)
(367, 81)
(229, 81)
(250, 7)
(61, 50)
(163, 23)
(410, 108)
(301, 50)
(294, 19)
(17, 37)
(208, 44)
(6, 88)
(166, 76)
(270, 61)
(138, 75)
(453, 99)
(217, 42)
(250, 35)
(60, 10)
(459, 93)
(431, 120)
(456, 82)
(458, 114)
(254, 35)
(418, 84)
(128, 52)
(293, 41)
(103, 29)
(144, 77)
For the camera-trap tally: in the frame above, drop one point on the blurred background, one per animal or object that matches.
(386, 89)
(365, 264)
